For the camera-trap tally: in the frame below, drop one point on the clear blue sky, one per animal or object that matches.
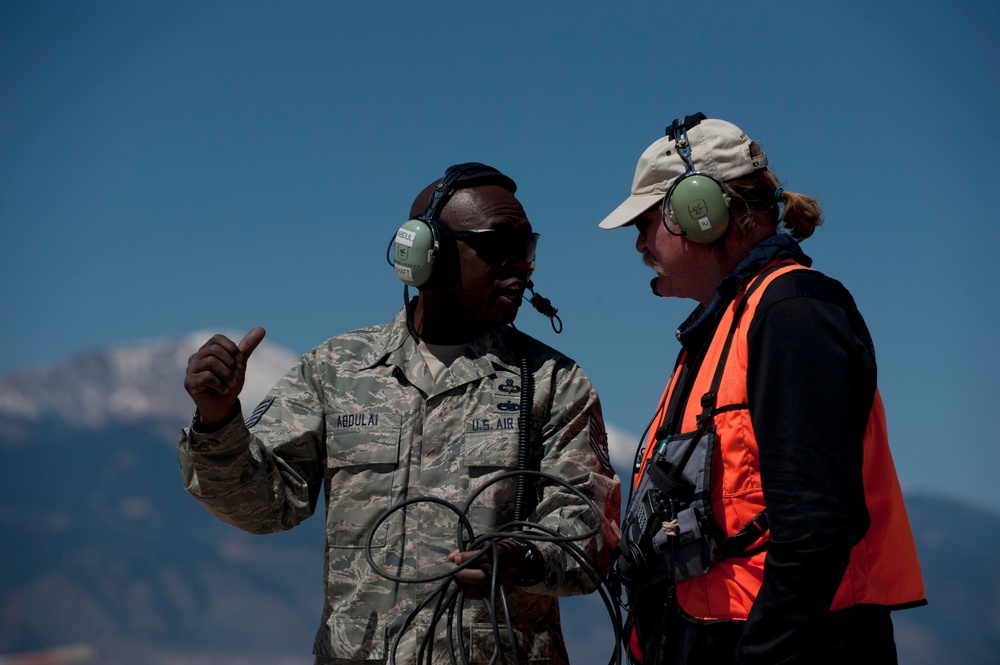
(170, 167)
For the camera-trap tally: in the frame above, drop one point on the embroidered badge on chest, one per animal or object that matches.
(508, 395)
(508, 386)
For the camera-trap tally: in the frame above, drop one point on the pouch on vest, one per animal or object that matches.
(669, 531)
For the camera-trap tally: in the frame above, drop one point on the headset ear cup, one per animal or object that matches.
(415, 251)
(699, 205)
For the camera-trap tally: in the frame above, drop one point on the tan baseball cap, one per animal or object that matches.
(718, 148)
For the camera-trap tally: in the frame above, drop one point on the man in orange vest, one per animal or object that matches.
(766, 522)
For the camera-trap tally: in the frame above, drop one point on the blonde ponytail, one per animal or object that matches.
(802, 214)
(754, 199)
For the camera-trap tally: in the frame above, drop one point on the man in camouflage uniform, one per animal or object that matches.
(425, 405)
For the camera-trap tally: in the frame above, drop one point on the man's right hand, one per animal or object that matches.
(216, 374)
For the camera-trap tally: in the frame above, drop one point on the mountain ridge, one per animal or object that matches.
(124, 383)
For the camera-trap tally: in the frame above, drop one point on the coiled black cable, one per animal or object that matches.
(448, 598)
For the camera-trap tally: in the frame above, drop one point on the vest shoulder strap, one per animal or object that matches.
(708, 400)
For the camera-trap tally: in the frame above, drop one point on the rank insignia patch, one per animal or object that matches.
(259, 411)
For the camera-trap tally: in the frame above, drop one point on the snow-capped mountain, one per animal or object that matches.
(126, 384)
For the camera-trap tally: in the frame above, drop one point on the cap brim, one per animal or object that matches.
(633, 206)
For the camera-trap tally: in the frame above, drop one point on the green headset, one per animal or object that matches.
(418, 241)
(696, 202)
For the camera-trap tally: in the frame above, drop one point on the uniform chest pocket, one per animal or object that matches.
(487, 455)
(492, 450)
(360, 467)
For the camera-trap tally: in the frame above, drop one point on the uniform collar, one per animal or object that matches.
(395, 347)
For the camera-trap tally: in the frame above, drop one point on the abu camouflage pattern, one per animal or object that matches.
(359, 419)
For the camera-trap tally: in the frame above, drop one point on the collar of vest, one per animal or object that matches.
(702, 321)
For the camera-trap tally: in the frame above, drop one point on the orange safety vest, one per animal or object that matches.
(883, 568)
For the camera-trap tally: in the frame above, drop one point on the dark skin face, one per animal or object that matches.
(478, 294)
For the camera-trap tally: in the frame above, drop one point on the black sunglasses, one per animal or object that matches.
(501, 246)
(641, 223)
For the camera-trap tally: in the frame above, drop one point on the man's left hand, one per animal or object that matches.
(477, 578)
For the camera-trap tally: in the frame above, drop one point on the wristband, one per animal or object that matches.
(530, 572)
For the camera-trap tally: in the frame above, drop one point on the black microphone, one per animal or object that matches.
(652, 286)
(544, 306)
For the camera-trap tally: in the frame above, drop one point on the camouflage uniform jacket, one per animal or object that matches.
(358, 419)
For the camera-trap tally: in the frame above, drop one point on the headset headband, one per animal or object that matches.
(461, 176)
(687, 123)
(678, 129)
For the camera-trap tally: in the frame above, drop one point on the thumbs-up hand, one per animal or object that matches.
(216, 374)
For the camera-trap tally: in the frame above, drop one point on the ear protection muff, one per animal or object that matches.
(697, 203)
(418, 241)
(417, 246)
